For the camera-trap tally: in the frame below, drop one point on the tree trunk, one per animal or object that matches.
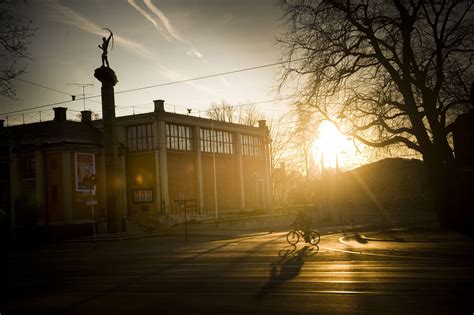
(440, 180)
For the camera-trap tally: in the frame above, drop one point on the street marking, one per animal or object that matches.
(341, 240)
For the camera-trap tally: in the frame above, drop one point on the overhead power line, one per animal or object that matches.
(249, 104)
(83, 85)
(156, 85)
(44, 87)
(73, 97)
(206, 76)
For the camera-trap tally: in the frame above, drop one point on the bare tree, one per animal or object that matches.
(280, 159)
(249, 115)
(245, 114)
(388, 72)
(14, 36)
(222, 112)
(292, 156)
(303, 135)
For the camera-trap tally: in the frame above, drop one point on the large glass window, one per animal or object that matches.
(217, 141)
(251, 145)
(179, 137)
(140, 137)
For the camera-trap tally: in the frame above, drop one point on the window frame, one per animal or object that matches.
(217, 141)
(251, 145)
(179, 137)
(140, 137)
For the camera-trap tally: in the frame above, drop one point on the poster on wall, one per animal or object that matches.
(85, 167)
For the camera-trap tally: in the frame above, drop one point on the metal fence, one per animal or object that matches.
(75, 115)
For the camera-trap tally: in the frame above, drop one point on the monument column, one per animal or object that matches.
(112, 162)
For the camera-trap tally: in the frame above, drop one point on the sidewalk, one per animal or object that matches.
(368, 236)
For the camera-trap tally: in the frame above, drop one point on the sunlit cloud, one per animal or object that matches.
(69, 16)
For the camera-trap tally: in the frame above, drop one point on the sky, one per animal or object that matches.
(155, 42)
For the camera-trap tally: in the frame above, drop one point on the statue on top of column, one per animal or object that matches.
(105, 46)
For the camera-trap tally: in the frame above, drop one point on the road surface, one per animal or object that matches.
(394, 273)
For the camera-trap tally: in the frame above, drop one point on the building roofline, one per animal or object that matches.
(185, 120)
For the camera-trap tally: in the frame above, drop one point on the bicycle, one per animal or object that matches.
(293, 236)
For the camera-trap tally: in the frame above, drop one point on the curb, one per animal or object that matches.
(112, 238)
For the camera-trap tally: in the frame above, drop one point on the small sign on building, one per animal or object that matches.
(142, 195)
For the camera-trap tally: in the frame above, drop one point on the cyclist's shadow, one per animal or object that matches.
(286, 268)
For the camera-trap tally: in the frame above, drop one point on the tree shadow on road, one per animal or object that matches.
(360, 238)
(287, 267)
(147, 275)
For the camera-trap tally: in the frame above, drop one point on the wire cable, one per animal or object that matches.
(157, 85)
(42, 86)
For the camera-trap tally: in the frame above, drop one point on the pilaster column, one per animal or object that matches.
(240, 166)
(40, 184)
(266, 150)
(101, 183)
(156, 151)
(14, 191)
(66, 183)
(199, 183)
(163, 160)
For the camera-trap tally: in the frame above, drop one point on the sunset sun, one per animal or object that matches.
(332, 146)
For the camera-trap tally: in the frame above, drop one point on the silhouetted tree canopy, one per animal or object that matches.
(387, 72)
(240, 114)
(14, 36)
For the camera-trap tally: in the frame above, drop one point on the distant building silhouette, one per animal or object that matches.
(167, 157)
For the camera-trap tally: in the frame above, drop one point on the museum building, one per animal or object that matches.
(163, 159)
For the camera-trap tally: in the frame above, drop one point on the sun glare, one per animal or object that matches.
(332, 147)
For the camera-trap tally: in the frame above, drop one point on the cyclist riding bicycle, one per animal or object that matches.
(304, 223)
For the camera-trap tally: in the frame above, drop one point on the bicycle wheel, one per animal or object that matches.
(292, 237)
(314, 237)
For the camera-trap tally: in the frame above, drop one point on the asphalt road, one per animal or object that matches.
(246, 274)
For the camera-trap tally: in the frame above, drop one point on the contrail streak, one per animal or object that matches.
(164, 21)
(162, 31)
(71, 17)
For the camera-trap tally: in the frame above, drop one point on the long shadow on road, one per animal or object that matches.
(287, 267)
(151, 274)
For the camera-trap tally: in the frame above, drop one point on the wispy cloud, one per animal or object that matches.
(164, 21)
(147, 16)
(66, 15)
(194, 52)
(164, 26)
(69, 16)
